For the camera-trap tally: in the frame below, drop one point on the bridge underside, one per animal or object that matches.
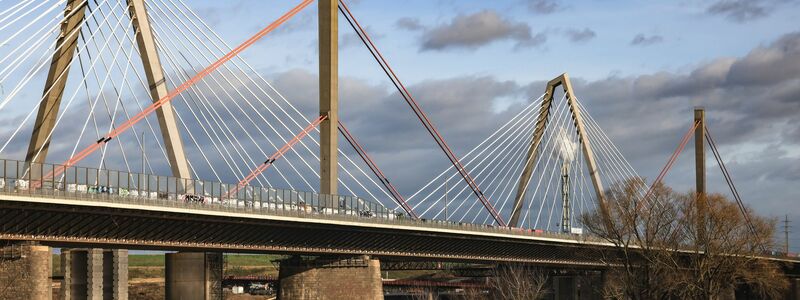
(60, 225)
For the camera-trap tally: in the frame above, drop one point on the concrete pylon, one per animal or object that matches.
(193, 276)
(94, 274)
(538, 133)
(329, 95)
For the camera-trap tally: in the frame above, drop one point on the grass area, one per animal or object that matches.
(250, 260)
(152, 265)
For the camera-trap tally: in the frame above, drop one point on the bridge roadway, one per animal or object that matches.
(90, 208)
(136, 223)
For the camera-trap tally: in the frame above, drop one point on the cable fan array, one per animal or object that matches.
(559, 172)
(231, 120)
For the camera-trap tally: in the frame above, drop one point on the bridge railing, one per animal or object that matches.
(91, 184)
(81, 183)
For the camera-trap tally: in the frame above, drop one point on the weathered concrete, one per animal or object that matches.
(330, 279)
(94, 274)
(193, 275)
(25, 271)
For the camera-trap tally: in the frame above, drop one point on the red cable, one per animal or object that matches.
(141, 115)
(271, 160)
(671, 161)
(374, 167)
(428, 124)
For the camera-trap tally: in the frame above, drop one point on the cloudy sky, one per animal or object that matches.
(639, 67)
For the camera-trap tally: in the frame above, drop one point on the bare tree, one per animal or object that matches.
(645, 235)
(726, 244)
(682, 246)
(518, 282)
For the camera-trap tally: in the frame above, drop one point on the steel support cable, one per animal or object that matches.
(271, 160)
(423, 117)
(571, 166)
(118, 102)
(31, 74)
(215, 95)
(105, 101)
(203, 104)
(513, 146)
(507, 131)
(500, 153)
(500, 144)
(518, 154)
(212, 110)
(512, 167)
(508, 191)
(558, 112)
(208, 29)
(21, 30)
(220, 100)
(27, 46)
(510, 177)
(374, 167)
(501, 135)
(347, 158)
(72, 98)
(11, 11)
(732, 186)
(178, 90)
(552, 153)
(665, 170)
(127, 83)
(558, 119)
(313, 170)
(19, 15)
(617, 152)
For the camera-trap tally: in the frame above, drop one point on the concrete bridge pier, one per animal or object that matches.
(193, 276)
(25, 270)
(330, 278)
(94, 274)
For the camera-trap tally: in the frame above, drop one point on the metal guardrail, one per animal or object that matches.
(90, 184)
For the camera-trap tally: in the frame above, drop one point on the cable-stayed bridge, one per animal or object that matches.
(134, 125)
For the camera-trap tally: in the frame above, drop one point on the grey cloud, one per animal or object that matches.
(543, 6)
(740, 10)
(579, 36)
(477, 30)
(411, 24)
(751, 112)
(643, 40)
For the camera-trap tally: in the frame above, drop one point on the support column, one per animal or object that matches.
(330, 278)
(193, 276)
(158, 89)
(56, 81)
(329, 95)
(25, 271)
(94, 274)
(700, 167)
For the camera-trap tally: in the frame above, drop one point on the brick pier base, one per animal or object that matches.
(330, 279)
(193, 276)
(94, 274)
(25, 270)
